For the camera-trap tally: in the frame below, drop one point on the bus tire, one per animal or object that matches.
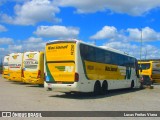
(104, 87)
(132, 84)
(97, 88)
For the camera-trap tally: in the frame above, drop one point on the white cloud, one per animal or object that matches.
(2, 28)
(106, 32)
(14, 48)
(60, 32)
(110, 33)
(131, 34)
(148, 51)
(6, 41)
(148, 34)
(33, 40)
(125, 40)
(3, 52)
(136, 8)
(32, 12)
(32, 44)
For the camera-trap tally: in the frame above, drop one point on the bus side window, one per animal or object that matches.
(114, 59)
(84, 51)
(107, 57)
(100, 57)
(91, 54)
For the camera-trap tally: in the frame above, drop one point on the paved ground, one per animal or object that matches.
(24, 97)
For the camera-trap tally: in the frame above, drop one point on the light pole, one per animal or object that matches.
(141, 53)
(146, 54)
(141, 47)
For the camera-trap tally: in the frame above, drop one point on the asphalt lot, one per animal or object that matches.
(16, 96)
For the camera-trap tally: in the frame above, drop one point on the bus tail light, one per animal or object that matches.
(76, 79)
(22, 73)
(39, 74)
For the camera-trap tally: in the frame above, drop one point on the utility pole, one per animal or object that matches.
(146, 54)
(141, 52)
(141, 47)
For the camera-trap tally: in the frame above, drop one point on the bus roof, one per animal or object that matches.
(80, 41)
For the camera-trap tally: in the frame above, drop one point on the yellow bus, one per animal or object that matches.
(5, 66)
(15, 66)
(150, 68)
(33, 67)
(75, 66)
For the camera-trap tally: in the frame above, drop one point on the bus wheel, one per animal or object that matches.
(104, 88)
(97, 88)
(132, 84)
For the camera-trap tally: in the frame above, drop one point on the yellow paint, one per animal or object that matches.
(15, 75)
(31, 55)
(146, 71)
(5, 67)
(31, 75)
(65, 75)
(15, 56)
(15, 66)
(100, 71)
(5, 73)
(60, 52)
(149, 72)
(60, 59)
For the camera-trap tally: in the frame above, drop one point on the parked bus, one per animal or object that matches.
(74, 66)
(5, 67)
(150, 68)
(15, 66)
(33, 67)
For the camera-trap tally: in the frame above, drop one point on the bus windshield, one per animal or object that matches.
(144, 66)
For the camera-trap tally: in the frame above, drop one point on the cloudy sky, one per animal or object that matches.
(29, 24)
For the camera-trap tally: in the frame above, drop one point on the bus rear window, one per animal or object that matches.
(31, 66)
(5, 64)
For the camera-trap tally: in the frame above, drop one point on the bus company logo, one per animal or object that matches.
(31, 55)
(15, 56)
(57, 47)
(65, 68)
